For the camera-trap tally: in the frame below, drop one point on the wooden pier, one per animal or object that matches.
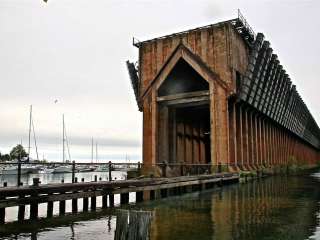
(145, 189)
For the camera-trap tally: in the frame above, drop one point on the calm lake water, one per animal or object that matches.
(272, 208)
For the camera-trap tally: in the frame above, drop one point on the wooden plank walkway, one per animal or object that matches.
(145, 189)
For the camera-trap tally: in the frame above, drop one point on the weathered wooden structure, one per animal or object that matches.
(218, 94)
(144, 189)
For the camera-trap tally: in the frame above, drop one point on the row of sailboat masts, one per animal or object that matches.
(92, 151)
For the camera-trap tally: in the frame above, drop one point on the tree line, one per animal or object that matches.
(17, 152)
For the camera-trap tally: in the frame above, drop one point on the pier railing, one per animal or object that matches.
(166, 169)
(19, 168)
(144, 189)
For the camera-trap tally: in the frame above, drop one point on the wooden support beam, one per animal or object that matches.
(93, 203)
(139, 196)
(21, 212)
(239, 136)
(74, 205)
(50, 209)
(124, 198)
(245, 137)
(104, 200)
(183, 96)
(232, 134)
(111, 200)
(85, 204)
(62, 207)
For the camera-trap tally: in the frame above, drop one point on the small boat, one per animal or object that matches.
(86, 168)
(13, 170)
(102, 168)
(62, 169)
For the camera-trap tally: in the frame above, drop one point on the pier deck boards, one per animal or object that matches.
(34, 195)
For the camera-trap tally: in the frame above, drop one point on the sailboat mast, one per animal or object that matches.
(96, 152)
(30, 122)
(63, 139)
(91, 150)
(35, 139)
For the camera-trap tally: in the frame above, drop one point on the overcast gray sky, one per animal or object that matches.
(75, 51)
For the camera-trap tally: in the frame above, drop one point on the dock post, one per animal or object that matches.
(19, 173)
(219, 167)
(21, 211)
(34, 210)
(139, 168)
(139, 196)
(95, 178)
(93, 203)
(50, 209)
(104, 200)
(74, 205)
(85, 204)
(124, 198)
(73, 170)
(164, 169)
(111, 200)
(110, 169)
(3, 210)
(75, 200)
(34, 205)
(62, 207)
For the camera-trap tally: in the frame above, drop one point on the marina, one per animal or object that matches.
(212, 213)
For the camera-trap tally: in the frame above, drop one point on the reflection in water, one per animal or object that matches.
(273, 208)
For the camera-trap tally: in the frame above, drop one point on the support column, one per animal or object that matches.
(245, 136)
(232, 135)
(239, 136)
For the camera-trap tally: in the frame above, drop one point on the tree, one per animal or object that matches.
(18, 152)
(5, 157)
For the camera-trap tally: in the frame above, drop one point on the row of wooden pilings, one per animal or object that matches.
(144, 190)
(256, 140)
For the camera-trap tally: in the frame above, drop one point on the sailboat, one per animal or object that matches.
(25, 169)
(65, 143)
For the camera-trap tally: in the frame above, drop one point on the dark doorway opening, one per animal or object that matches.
(184, 117)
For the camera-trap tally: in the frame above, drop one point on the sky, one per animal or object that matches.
(74, 51)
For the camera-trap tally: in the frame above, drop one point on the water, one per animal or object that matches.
(46, 178)
(273, 208)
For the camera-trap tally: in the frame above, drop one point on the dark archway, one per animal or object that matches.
(184, 117)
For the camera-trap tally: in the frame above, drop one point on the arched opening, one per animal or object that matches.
(184, 117)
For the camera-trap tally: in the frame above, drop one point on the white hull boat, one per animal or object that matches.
(14, 170)
(62, 169)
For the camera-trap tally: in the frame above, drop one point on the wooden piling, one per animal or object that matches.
(104, 201)
(62, 207)
(85, 204)
(50, 209)
(74, 205)
(124, 198)
(34, 210)
(21, 212)
(93, 203)
(139, 196)
(3, 210)
(111, 200)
